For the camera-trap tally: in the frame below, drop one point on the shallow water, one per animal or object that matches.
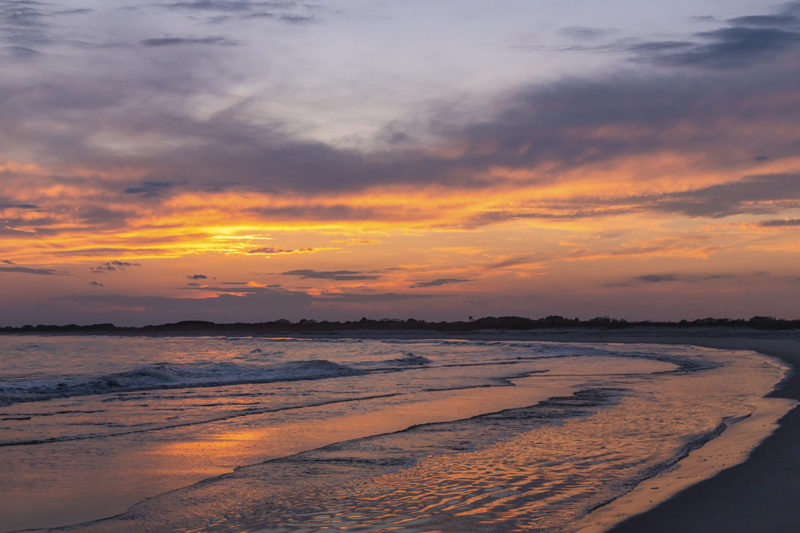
(349, 434)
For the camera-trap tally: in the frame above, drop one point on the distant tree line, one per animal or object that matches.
(188, 327)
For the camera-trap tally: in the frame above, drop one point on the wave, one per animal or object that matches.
(170, 376)
(407, 361)
(410, 359)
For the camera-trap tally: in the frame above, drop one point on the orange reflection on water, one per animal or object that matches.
(226, 445)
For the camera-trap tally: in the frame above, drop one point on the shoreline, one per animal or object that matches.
(754, 495)
(739, 481)
(758, 494)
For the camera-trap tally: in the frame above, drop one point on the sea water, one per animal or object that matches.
(293, 434)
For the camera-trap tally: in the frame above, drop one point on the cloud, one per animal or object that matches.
(150, 189)
(512, 261)
(375, 297)
(320, 212)
(230, 5)
(214, 5)
(36, 271)
(780, 222)
(77, 11)
(561, 210)
(557, 127)
(297, 19)
(101, 216)
(113, 266)
(179, 41)
(231, 290)
(88, 252)
(277, 251)
(8, 230)
(672, 278)
(784, 19)
(19, 206)
(729, 47)
(752, 194)
(282, 11)
(657, 278)
(544, 131)
(95, 284)
(438, 282)
(197, 276)
(337, 275)
(744, 41)
(263, 304)
(28, 25)
(584, 33)
(703, 18)
(22, 13)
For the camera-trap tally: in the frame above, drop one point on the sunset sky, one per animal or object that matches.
(232, 160)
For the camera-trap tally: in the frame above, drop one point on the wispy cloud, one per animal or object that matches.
(18, 206)
(113, 266)
(742, 41)
(151, 189)
(385, 297)
(438, 282)
(270, 250)
(672, 278)
(780, 222)
(586, 33)
(35, 271)
(283, 11)
(753, 194)
(223, 307)
(335, 275)
(180, 41)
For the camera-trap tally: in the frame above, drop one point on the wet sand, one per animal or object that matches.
(758, 495)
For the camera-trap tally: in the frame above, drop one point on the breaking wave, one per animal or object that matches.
(170, 376)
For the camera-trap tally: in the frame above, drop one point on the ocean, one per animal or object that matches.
(297, 434)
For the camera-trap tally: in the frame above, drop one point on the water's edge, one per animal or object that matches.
(729, 444)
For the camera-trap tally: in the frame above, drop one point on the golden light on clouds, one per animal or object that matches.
(466, 184)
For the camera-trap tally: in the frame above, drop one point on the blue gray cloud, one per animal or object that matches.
(28, 270)
(179, 41)
(742, 41)
(113, 266)
(653, 279)
(438, 282)
(780, 223)
(150, 189)
(335, 275)
(552, 125)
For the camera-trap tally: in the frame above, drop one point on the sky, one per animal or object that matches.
(236, 160)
